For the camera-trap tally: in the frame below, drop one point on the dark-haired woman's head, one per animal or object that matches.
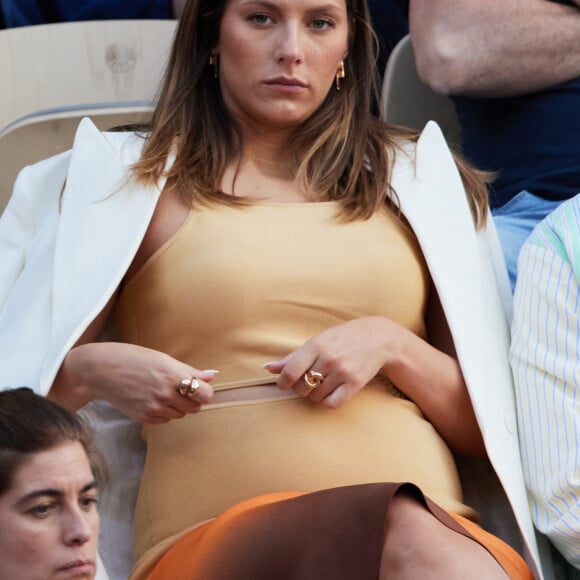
(50, 475)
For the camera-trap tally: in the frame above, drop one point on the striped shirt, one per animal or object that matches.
(545, 359)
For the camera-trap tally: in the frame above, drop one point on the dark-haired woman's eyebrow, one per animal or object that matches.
(53, 493)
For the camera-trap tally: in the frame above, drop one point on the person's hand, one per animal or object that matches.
(347, 356)
(142, 383)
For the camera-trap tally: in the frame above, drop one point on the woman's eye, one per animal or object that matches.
(41, 511)
(260, 18)
(88, 502)
(321, 24)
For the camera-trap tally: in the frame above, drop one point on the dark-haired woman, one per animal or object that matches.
(50, 476)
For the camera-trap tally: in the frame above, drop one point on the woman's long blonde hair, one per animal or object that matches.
(342, 152)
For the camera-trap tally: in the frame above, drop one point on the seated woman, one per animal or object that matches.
(544, 356)
(267, 226)
(50, 476)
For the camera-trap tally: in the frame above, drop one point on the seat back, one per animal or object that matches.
(406, 100)
(58, 67)
(55, 74)
(42, 136)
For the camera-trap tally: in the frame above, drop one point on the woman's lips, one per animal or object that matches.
(78, 566)
(286, 84)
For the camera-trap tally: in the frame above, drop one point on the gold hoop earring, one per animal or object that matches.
(340, 74)
(214, 61)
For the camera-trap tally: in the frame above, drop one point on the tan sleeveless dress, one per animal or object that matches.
(237, 287)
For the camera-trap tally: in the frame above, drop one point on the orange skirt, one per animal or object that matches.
(335, 534)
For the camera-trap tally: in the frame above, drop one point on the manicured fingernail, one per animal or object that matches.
(267, 364)
(210, 371)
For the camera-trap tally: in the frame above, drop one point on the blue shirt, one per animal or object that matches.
(29, 12)
(391, 22)
(532, 141)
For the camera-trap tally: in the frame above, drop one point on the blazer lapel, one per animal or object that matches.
(433, 200)
(103, 220)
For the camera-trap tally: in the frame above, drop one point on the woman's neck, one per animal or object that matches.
(264, 169)
(268, 153)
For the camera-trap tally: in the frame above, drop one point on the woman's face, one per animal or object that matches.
(278, 58)
(48, 518)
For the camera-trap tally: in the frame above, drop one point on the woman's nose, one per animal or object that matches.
(289, 45)
(77, 528)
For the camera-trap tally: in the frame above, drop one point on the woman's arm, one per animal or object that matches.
(494, 48)
(138, 381)
(429, 374)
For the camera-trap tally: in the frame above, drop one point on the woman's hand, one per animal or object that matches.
(142, 383)
(348, 356)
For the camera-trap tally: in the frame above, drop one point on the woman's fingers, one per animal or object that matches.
(190, 393)
(147, 385)
(194, 387)
(174, 405)
(332, 366)
(338, 397)
(312, 378)
(169, 389)
(275, 366)
(291, 373)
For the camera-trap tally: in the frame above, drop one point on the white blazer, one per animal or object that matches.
(63, 256)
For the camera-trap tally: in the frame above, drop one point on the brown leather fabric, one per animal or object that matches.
(335, 534)
(332, 534)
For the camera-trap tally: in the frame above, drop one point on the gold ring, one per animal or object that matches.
(313, 379)
(188, 387)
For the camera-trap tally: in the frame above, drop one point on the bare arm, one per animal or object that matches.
(67, 389)
(138, 381)
(429, 374)
(494, 48)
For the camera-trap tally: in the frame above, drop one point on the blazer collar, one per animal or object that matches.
(103, 220)
(433, 200)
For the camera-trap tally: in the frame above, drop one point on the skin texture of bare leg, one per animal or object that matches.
(418, 545)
